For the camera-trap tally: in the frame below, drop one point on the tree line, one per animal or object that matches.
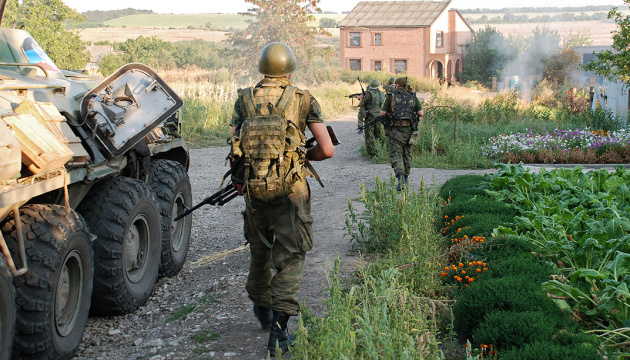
(512, 18)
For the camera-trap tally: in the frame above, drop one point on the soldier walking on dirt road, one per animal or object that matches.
(269, 167)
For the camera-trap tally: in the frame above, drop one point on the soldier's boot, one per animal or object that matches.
(264, 316)
(399, 183)
(406, 180)
(279, 335)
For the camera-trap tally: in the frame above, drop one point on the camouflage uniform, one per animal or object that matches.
(280, 231)
(399, 134)
(372, 103)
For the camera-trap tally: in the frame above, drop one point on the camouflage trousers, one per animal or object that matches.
(361, 117)
(371, 134)
(279, 235)
(400, 150)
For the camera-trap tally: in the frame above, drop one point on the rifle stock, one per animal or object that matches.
(311, 142)
(220, 198)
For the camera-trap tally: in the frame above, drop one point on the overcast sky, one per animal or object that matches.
(234, 6)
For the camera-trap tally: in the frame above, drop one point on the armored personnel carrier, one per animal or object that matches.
(92, 173)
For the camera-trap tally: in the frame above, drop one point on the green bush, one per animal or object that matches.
(480, 224)
(509, 293)
(520, 264)
(464, 184)
(547, 350)
(503, 246)
(507, 329)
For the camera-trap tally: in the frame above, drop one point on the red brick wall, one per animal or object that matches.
(397, 44)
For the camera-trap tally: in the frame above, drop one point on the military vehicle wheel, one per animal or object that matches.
(123, 214)
(53, 297)
(7, 310)
(169, 180)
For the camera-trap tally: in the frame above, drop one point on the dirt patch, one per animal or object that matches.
(204, 312)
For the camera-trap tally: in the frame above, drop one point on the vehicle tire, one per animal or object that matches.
(169, 181)
(7, 310)
(123, 214)
(53, 296)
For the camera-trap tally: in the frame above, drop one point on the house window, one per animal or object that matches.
(460, 49)
(439, 41)
(400, 66)
(377, 39)
(355, 39)
(378, 66)
(355, 64)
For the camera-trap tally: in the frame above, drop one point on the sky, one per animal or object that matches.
(235, 6)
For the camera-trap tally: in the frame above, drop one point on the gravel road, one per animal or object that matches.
(204, 312)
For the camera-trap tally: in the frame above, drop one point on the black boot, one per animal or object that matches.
(279, 333)
(264, 316)
(406, 180)
(399, 183)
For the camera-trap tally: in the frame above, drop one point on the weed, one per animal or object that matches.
(205, 336)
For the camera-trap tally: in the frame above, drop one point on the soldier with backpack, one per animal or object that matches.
(369, 108)
(269, 166)
(404, 111)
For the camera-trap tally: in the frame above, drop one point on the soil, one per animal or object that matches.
(203, 312)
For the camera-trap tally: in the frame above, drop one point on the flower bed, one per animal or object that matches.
(583, 146)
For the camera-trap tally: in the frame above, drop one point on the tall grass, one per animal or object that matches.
(387, 312)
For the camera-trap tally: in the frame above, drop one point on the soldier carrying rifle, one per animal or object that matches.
(369, 108)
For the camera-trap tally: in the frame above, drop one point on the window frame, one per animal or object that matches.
(406, 66)
(380, 39)
(439, 39)
(360, 62)
(380, 63)
(350, 39)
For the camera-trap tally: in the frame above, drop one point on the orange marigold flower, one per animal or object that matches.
(443, 274)
(478, 270)
(461, 265)
(463, 272)
(471, 280)
(484, 264)
(459, 279)
(470, 264)
(478, 263)
(446, 216)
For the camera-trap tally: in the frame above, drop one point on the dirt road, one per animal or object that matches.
(204, 313)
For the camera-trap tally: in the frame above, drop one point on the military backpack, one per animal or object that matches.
(403, 108)
(266, 155)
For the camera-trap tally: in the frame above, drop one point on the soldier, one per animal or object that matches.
(391, 86)
(370, 107)
(404, 112)
(277, 227)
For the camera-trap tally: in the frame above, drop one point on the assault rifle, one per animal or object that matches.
(221, 197)
(382, 118)
(356, 95)
(311, 142)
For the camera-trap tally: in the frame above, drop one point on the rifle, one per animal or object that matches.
(356, 95)
(221, 197)
(311, 142)
(378, 119)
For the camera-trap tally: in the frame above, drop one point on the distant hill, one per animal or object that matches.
(97, 18)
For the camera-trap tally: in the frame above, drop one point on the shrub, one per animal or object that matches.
(520, 264)
(503, 246)
(507, 329)
(547, 350)
(509, 293)
(460, 185)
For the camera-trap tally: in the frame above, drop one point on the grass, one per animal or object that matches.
(386, 311)
(205, 336)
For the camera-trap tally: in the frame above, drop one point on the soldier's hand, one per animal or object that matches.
(239, 189)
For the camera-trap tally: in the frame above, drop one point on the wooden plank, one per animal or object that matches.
(41, 150)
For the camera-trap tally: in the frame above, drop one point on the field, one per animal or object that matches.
(600, 30)
(120, 34)
(222, 21)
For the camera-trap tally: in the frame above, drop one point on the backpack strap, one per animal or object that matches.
(307, 102)
(248, 99)
(287, 94)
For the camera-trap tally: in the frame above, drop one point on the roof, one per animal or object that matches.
(394, 13)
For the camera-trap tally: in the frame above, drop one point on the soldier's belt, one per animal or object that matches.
(403, 123)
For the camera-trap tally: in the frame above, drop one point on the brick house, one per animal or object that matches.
(421, 38)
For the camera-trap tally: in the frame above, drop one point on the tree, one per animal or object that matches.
(285, 21)
(45, 20)
(485, 55)
(581, 38)
(615, 62)
(560, 66)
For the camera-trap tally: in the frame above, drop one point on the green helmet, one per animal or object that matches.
(391, 80)
(402, 82)
(276, 60)
(375, 84)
